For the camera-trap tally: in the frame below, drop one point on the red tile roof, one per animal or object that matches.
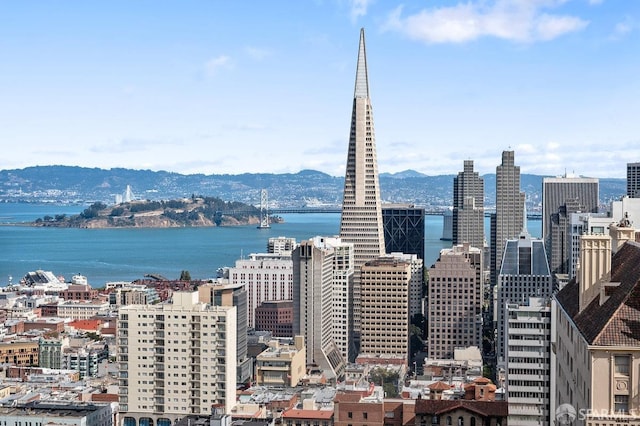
(617, 321)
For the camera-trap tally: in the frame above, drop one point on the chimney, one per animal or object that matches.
(621, 232)
(595, 266)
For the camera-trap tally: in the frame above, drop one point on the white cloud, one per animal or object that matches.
(214, 64)
(258, 53)
(512, 20)
(622, 28)
(359, 8)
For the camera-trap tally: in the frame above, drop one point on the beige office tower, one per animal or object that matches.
(175, 359)
(454, 311)
(361, 222)
(509, 218)
(468, 207)
(385, 286)
(313, 303)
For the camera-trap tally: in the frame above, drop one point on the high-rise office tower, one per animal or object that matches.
(361, 220)
(403, 229)
(509, 216)
(313, 302)
(633, 180)
(562, 196)
(385, 307)
(468, 207)
(175, 359)
(524, 274)
(454, 311)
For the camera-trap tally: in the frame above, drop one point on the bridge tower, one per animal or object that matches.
(264, 210)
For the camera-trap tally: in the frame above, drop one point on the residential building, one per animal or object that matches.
(385, 307)
(266, 276)
(222, 293)
(468, 207)
(361, 220)
(175, 358)
(454, 310)
(403, 229)
(50, 353)
(81, 310)
(85, 360)
(595, 349)
(281, 245)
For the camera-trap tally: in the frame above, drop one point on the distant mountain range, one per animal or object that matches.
(65, 184)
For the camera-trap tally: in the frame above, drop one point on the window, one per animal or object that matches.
(350, 414)
(621, 403)
(621, 365)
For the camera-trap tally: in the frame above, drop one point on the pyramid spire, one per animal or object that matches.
(362, 77)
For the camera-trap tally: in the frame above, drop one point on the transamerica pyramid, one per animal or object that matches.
(361, 221)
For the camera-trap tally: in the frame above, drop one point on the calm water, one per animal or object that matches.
(104, 255)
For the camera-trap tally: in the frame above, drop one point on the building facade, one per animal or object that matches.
(596, 354)
(266, 276)
(175, 359)
(403, 229)
(562, 196)
(361, 220)
(525, 273)
(276, 317)
(454, 307)
(313, 302)
(528, 361)
(385, 307)
(468, 207)
(633, 180)
(510, 210)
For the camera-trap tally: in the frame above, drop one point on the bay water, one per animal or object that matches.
(126, 254)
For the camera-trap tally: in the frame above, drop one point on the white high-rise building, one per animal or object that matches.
(266, 276)
(361, 220)
(175, 359)
(313, 304)
(528, 356)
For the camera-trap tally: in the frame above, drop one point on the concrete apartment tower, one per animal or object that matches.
(633, 180)
(508, 220)
(313, 303)
(562, 196)
(175, 359)
(468, 207)
(361, 222)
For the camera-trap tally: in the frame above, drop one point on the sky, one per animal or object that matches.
(229, 87)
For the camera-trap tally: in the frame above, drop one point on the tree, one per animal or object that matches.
(185, 276)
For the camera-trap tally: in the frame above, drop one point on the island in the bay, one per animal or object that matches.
(194, 211)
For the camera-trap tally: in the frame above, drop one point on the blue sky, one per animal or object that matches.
(266, 86)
